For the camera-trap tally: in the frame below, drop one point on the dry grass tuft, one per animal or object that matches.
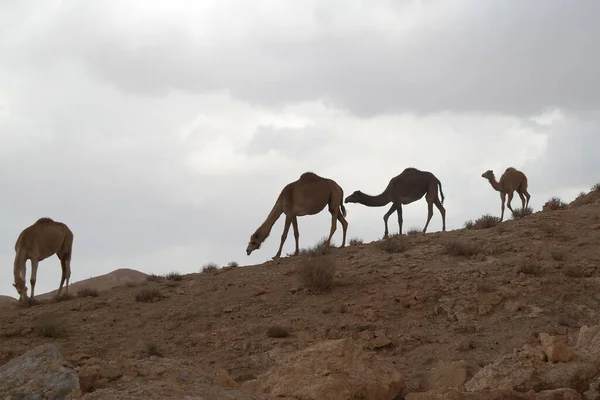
(48, 325)
(153, 350)
(154, 278)
(596, 187)
(529, 266)
(147, 295)
(555, 203)
(64, 297)
(210, 267)
(469, 224)
(457, 247)
(277, 331)
(355, 241)
(557, 254)
(413, 230)
(174, 276)
(519, 213)
(317, 273)
(486, 221)
(233, 264)
(87, 292)
(319, 249)
(393, 244)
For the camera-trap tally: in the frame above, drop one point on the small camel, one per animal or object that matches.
(511, 180)
(36, 243)
(411, 185)
(307, 196)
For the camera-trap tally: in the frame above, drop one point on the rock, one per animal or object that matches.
(589, 339)
(593, 393)
(555, 350)
(222, 379)
(40, 373)
(110, 373)
(447, 375)
(334, 369)
(498, 394)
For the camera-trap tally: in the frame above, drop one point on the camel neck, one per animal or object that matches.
(374, 201)
(494, 183)
(276, 211)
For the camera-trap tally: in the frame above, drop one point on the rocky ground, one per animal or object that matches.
(508, 312)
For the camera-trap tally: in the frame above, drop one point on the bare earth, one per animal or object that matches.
(414, 311)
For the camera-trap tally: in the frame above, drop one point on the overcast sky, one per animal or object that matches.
(163, 132)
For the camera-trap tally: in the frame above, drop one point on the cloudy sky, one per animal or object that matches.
(163, 132)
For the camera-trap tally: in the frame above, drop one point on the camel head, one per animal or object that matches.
(489, 174)
(353, 198)
(255, 241)
(21, 289)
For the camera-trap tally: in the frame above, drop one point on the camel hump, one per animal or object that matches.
(44, 220)
(411, 169)
(309, 175)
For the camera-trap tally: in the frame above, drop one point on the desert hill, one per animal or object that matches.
(6, 300)
(500, 313)
(117, 277)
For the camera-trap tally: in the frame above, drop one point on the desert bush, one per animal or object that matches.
(457, 247)
(555, 203)
(557, 254)
(277, 331)
(233, 264)
(319, 249)
(469, 224)
(147, 295)
(393, 244)
(486, 221)
(48, 325)
(153, 350)
(413, 230)
(210, 267)
(529, 266)
(131, 284)
(355, 241)
(519, 213)
(154, 278)
(64, 297)
(317, 273)
(596, 187)
(174, 276)
(87, 292)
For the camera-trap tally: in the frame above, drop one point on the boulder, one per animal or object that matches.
(41, 373)
(334, 370)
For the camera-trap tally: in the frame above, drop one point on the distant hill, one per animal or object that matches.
(117, 277)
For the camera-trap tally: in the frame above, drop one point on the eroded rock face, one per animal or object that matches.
(334, 369)
(41, 373)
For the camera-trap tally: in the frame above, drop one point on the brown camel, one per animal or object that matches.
(411, 185)
(307, 196)
(511, 180)
(36, 243)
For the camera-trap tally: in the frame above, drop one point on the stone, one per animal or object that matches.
(555, 350)
(40, 373)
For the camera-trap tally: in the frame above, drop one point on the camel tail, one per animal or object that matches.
(441, 192)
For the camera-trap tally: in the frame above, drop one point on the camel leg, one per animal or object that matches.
(400, 220)
(67, 274)
(522, 200)
(63, 276)
(334, 218)
(510, 197)
(296, 235)
(385, 219)
(528, 197)
(503, 198)
(344, 223)
(34, 268)
(286, 228)
(429, 214)
(440, 207)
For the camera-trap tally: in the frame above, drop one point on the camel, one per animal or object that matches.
(411, 185)
(307, 196)
(36, 243)
(511, 180)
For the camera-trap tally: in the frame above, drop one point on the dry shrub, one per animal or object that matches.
(277, 331)
(131, 284)
(413, 230)
(574, 271)
(318, 249)
(596, 187)
(317, 273)
(63, 297)
(519, 213)
(153, 350)
(355, 241)
(555, 203)
(210, 267)
(529, 266)
(154, 278)
(393, 244)
(174, 276)
(457, 247)
(486, 221)
(87, 292)
(557, 254)
(48, 325)
(233, 264)
(469, 224)
(147, 295)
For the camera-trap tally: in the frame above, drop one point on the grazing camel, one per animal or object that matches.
(511, 180)
(36, 243)
(307, 196)
(411, 185)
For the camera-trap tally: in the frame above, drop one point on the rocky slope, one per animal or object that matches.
(508, 312)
